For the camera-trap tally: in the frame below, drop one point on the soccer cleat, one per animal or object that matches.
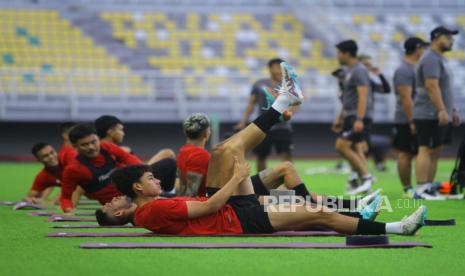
(371, 211)
(415, 221)
(368, 199)
(290, 84)
(363, 188)
(428, 194)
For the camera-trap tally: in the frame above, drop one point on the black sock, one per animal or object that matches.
(268, 119)
(351, 214)
(407, 188)
(301, 190)
(258, 186)
(366, 227)
(346, 203)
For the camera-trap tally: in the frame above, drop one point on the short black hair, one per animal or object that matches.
(66, 126)
(348, 46)
(37, 147)
(104, 219)
(274, 61)
(80, 131)
(104, 123)
(124, 178)
(195, 125)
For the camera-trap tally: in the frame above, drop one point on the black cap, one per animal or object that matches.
(413, 43)
(442, 31)
(348, 46)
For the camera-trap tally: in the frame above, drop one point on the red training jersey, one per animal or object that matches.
(66, 154)
(76, 174)
(193, 159)
(169, 216)
(46, 178)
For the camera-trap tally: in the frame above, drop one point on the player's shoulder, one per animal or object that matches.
(109, 146)
(404, 69)
(199, 154)
(430, 56)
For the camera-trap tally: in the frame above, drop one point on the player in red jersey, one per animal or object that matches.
(91, 169)
(66, 153)
(192, 159)
(49, 177)
(235, 208)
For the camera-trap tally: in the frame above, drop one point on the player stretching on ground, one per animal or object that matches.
(235, 208)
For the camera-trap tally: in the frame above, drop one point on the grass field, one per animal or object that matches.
(26, 251)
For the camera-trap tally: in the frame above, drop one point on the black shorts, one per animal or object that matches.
(281, 139)
(431, 135)
(404, 140)
(258, 186)
(349, 134)
(165, 170)
(252, 215)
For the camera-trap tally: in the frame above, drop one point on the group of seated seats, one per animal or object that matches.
(238, 42)
(41, 52)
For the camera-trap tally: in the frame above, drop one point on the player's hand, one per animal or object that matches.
(239, 125)
(241, 169)
(337, 126)
(413, 128)
(358, 126)
(69, 212)
(456, 118)
(443, 118)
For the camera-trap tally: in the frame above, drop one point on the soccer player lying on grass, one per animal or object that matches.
(234, 208)
(120, 210)
(48, 178)
(91, 169)
(192, 162)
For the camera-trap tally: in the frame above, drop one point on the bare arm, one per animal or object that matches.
(405, 95)
(248, 111)
(197, 209)
(362, 92)
(78, 192)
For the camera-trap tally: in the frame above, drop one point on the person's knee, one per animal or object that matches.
(287, 168)
(342, 145)
(168, 153)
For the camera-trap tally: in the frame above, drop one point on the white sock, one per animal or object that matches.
(353, 175)
(368, 176)
(393, 228)
(281, 103)
(423, 187)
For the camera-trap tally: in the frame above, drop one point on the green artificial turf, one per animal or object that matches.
(25, 250)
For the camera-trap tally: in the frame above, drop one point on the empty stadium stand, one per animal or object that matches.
(160, 60)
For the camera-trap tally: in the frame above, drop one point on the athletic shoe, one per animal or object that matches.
(415, 221)
(428, 194)
(364, 188)
(368, 199)
(351, 185)
(371, 211)
(290, 84)
(408, 194)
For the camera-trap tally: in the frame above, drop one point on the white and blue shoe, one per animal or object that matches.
(290, 84)
(371, 211)
(411, 224)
